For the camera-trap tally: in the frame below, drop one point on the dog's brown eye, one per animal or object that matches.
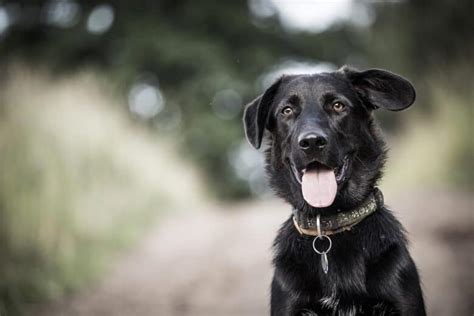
(338, 107)
(287, 111)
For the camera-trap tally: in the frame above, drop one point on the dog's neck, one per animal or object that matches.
(305, 223)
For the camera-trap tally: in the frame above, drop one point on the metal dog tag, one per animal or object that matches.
(323, 253)
(324, 263)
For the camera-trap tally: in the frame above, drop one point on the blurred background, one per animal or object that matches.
(126, 184)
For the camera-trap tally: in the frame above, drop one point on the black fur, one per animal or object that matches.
(371, 271)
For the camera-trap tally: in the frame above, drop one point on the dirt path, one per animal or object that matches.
(218, 263)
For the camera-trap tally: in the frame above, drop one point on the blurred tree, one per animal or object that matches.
(195, 49)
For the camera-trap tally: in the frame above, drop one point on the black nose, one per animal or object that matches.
(311, 142)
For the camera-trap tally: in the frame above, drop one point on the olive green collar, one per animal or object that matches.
(333, 224)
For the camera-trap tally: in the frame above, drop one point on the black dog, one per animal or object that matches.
(342, 252)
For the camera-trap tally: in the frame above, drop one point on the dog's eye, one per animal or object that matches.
(287, 110)
(338, 106)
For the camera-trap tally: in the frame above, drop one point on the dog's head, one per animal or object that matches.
(324, 150)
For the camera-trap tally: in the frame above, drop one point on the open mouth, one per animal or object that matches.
(339, 172)
(319, 182)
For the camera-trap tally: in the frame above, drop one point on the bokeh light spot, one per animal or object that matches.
(262, 8)
(100, 19)
(62, 13)
(313, 16)
(4, 20)
(145, 100)
(249, 164)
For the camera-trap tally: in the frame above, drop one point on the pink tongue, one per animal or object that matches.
(319, 186)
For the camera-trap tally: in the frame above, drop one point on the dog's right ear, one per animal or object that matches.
(256, 115)
(381, 88)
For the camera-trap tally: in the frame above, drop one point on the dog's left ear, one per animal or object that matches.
(381, 88)
(256, 115)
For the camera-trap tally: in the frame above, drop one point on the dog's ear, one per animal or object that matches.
(256, 115)
(381, 88)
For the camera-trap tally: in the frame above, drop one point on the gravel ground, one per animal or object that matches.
(218, 262)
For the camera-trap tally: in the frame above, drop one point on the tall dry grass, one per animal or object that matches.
(78, 181)
(434, 148)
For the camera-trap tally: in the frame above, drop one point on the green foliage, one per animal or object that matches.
(197, 48)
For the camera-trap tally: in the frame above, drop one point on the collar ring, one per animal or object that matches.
(315, 248)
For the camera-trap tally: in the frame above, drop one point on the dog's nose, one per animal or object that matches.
(312, 142)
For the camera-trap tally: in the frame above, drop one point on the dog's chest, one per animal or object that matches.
(342, 291)
(343, 294)
(380, 309)
(337, 305)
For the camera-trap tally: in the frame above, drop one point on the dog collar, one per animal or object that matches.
(343, 221)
